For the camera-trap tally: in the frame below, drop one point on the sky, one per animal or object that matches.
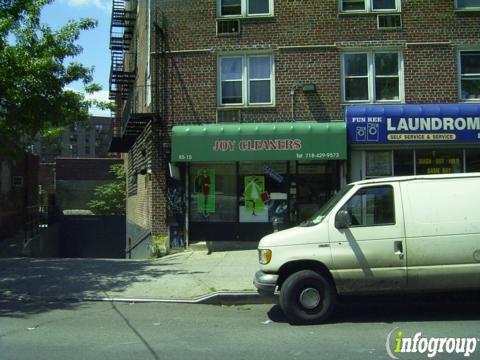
(95, 42)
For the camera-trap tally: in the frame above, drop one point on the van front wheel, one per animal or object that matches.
(307, 297)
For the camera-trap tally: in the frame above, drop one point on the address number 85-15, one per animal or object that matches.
(185, 157)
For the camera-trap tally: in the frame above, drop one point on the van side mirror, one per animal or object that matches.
(343, 219)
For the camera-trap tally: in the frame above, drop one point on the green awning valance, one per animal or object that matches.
(259, 141)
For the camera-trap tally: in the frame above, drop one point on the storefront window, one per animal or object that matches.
(213, 192)
(473, 160)
(379, 164)
(439, 162)
(263, 192)
(403, 163)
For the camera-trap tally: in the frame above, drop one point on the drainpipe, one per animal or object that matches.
(292, 94)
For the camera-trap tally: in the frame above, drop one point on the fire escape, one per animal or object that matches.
(122, 71)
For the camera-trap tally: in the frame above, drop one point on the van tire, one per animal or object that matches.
(307, 297)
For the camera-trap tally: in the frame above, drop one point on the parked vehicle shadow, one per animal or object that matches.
(401, 308)
(31, 286)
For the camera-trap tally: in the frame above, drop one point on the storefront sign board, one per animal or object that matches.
(428, 123)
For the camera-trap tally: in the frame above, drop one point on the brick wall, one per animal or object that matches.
(306, 39)
(139, 185)
(191, 77)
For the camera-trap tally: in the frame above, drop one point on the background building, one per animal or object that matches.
(210, 93)
(79, 141)
(91, 140)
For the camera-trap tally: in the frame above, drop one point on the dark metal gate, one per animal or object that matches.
(92, 236)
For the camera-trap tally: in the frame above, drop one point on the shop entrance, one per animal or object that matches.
(315, 184)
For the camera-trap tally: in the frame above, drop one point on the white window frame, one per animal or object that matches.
(245, 80)
(244, 10)
(368, 8)
(466, 8)
(372, 76)
(459, 74)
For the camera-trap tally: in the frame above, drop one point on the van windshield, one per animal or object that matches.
(318, 217)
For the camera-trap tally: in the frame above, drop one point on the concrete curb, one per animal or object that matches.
(216, 298)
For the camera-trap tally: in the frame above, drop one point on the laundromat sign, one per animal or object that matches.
(445, 123)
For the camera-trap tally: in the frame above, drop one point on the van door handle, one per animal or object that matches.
(398, 248)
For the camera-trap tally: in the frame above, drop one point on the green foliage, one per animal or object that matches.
(34, 73)
(110, 199)
(159, 246)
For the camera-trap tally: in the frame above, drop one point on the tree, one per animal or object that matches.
(110, 199)
(34, 76)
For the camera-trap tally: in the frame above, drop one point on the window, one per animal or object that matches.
(372, 77)
(467, 4)
(263, 198)
(470, 75)
(434, 162)
(473, 160)
(213, 192)
(17, 181)
(371, 206)
(244, 8)
(246, 80)
(379, 164)
(370, 5)
(403, 161)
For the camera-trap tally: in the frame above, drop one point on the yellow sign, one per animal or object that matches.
(423, 137)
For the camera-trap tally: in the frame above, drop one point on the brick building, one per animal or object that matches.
(89, 140)
(225, 104)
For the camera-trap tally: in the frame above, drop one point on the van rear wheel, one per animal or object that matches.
(307, 297)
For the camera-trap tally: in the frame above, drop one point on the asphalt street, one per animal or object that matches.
(107, 330)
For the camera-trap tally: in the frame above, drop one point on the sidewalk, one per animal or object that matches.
(186, 276)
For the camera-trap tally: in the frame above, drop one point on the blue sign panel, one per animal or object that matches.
(399, 124)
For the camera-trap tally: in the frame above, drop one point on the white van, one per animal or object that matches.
(415, 233)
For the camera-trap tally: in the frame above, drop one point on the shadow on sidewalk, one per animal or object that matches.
(221, 246)
(30, 286)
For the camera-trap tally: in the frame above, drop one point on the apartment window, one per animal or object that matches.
(370, 5)
(470, 75)
(467, 4)
(246, 80)
(372, 77)
(243, 8)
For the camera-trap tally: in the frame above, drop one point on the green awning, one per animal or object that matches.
(259, 141)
